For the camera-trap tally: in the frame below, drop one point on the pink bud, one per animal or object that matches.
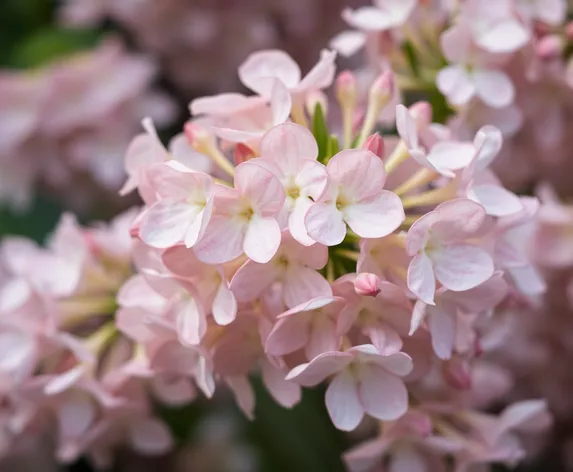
(367, 284)
(422, 113)
(383, 87)
(242, 153)
(346, 86)
(194, 133)
(550, 47)
(457, 374)
(375, 144)
(415, 422)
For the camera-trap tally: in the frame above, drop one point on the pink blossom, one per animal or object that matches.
(183, 208)
(362, 378)
(354, 196)
(310, 326)
(244, 218)
(294, 266)
(441, 244)
(290, 151)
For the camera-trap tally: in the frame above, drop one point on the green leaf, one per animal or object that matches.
(39, 221)
(332, 146)
(51, 43)
(320, 131)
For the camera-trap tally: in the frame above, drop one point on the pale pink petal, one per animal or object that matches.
(321, 75)
(494, 88)
(406, 127)
(375, 217)
(224, 305)
(261, 66)
(456, 43)
(419, 233)
(64, 381)
(262, 189)
(368, 19)
(496, 200)
(224, 104)
(343, 403)
(182, 152)
(458, 219)
(150, 436)
(462, 267)
(348, 42)
(483, 297)
(398, 364)
(382, 395)
(252, 279)
(524, 416)
(236, 135)
(443, 329)
(325, 224)
(296, 222)
(421, 279)
(191, 322)
(418, 316)
(451, 155)
(323, 337)
(197, 228)
(244, 394)
(166, 223)
(222, 241)
(285, 393)
(384, 338)
(289, 334)
(288, 144)
(262, 239)
(359, 172)
(177, 391)
(281, 102)
(302, 284)
(321, 367)
(312, 179)
(456, 84)
(488, 142)
(503, 36)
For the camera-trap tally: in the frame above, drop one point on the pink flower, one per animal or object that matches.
(244, 218)
(210, 281)
(473, 73)
(310, 325)
(354, 196)
(183, 208)
(261, 67)
(294, 266)
(442, 157)
(552, 12)
(290, 151)
(365, 382)
(440, 243)
(443, 316)
(494, 26)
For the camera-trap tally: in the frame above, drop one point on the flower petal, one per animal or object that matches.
(375, 217)
(462, 267)
(343, 403)
(382, 395)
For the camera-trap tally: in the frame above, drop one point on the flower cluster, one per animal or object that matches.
(66, 126)
(201, 43)
(505, 63)
(369, 262)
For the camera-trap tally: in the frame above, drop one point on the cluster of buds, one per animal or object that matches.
(368, 262)
(506, 63)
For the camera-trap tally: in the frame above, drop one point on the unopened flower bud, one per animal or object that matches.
(550, 47)
(367, 284)
(346, 87)
(382, 89)
(375, 144)
(422, 113)
(457, 374)
(242, 153)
